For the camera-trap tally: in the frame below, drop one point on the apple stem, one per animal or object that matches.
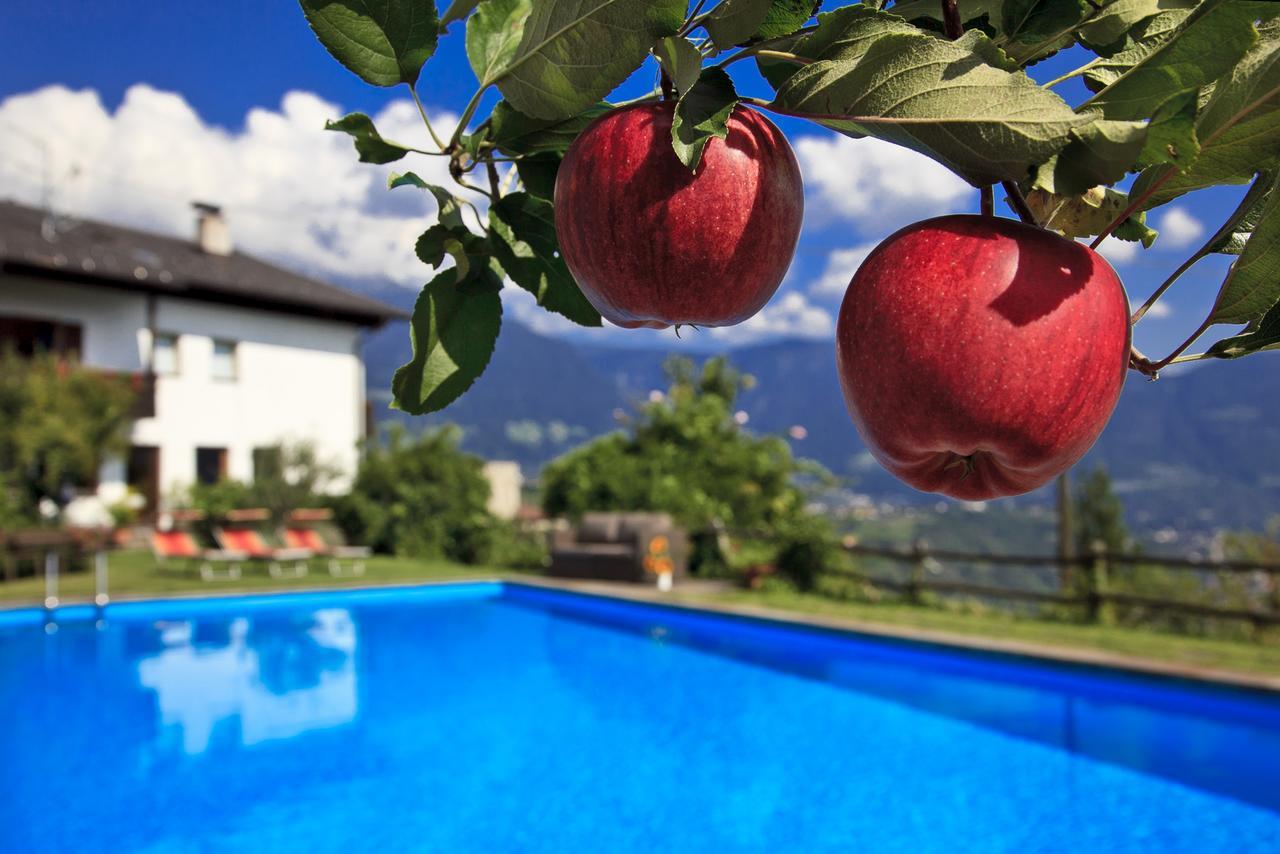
(1018, 202)
(987, 200)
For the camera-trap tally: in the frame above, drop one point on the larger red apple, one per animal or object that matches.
(981, 357)
(652, 244)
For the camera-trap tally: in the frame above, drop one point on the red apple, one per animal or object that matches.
(981, 357)
(652, 244)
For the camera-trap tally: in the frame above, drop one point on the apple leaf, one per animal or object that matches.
(538, 174)
(702, 113)
(574, 52)
(876, 75)
(740, 21)
(1118, 23)
(1261, 334)
(1101, 152)
(384, 42)
(455, 325)
(1143, 40)
(370, 146)
(1031, 30)
(525, 244)
(680, 61)
(1252, 286)
(449, 236)
(1238, 126)
(517, 134)
(1236, 235)
(1088, 213)
(458, 10)
(1212, 39)
(493, 33)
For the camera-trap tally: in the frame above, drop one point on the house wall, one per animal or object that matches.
(297, 378)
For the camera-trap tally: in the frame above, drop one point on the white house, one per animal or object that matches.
(232, 354)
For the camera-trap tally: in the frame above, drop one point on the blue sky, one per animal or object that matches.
(160, 103)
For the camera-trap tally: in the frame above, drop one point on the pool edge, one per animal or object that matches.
(1061, 655)
(1068, 656)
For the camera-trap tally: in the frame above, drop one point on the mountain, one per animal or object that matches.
(1196, 450)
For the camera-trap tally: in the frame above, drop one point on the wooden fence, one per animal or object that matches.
(1096, 598)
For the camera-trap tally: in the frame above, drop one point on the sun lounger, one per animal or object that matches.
(182, 546)
(237, 533)
(303, 531)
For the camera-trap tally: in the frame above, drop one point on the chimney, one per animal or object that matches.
(211, 229)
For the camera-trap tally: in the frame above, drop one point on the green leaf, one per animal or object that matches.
(1101, 152)
(1252, 286)
(1238, 128)
(1142, 41)
(538, 174)
(1211, 40)
(493, 34)
(702, 113)
(1088, 213)
(741, 21)
(385, 42)
(1234, 240)
(449, 236)
(454, 328)
(525, 244)
(574, 52)
(1112, 28)
(457, 11)
(1262, 334)
(370, 145)
(1034, 29)
(877, 75)
(680, 61)
(515, 133)
(776, 71)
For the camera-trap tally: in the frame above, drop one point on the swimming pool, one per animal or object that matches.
(502, 717)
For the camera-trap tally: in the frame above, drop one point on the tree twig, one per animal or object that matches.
(987, 200)
(951, 19)
(1018, 202)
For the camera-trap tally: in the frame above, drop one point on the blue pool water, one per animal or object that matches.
(486, 717)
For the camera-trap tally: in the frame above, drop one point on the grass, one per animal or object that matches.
(1243, 656)
(136, 574)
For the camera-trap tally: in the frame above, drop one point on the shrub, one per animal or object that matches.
(420, 497)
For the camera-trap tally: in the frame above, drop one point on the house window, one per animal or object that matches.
(164, 354)
(211, 465)
(28, 336)
(224, 360)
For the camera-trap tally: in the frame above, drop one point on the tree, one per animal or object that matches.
(420, 497)
(1099, 515)
(686, 455)
(1186, 95)
(58, 422)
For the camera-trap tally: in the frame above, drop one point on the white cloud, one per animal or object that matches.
(291, 191)
(1118, 251)
(841, 265)
(789, 316)
(1159, 311)
(1179, 228)
(875, 183)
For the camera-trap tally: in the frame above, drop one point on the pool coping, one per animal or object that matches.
(826, 623)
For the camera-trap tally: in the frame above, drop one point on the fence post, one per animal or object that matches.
(1099, 609)
(915, 582)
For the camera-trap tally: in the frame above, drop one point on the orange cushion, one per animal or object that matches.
(244, 540)
(174, 544)
(305, 538)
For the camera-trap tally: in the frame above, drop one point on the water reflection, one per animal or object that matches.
(262, 679)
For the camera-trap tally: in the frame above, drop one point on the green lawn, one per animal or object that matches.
(136, 574)
(1202, 652)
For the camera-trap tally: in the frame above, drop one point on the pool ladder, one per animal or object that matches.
(100, 595)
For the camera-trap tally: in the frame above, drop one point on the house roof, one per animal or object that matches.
(89, 252)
